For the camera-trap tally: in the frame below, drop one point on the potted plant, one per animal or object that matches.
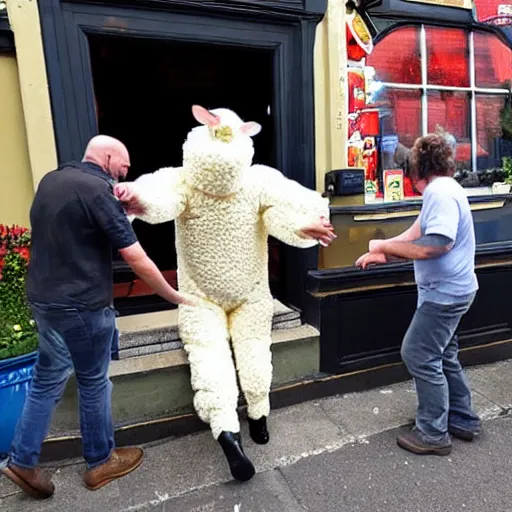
(18, 335)
(504, 187)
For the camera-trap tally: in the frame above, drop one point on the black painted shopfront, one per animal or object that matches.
(133, 68)
(363, 315)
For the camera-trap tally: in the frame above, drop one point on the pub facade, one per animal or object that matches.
(341, 88)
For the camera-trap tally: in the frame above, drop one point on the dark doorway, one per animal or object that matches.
(144, 90)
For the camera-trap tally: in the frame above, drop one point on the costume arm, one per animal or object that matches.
(287, 207)
(161, 194)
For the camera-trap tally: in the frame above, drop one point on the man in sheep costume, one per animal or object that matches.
(225, 208)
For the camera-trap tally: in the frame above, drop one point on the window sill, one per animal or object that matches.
(479, 199)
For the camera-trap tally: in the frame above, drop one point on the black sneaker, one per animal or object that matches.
(413, 442)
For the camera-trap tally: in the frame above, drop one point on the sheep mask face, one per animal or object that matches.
(215, 153)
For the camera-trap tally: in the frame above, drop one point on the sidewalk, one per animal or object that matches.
(336, 454)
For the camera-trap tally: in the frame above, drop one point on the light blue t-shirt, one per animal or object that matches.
(451, 277)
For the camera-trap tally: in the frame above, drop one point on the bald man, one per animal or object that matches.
(76, 223)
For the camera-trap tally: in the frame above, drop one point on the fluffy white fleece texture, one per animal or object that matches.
(224, 209)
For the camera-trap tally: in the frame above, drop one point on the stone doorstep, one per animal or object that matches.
(158, 332)
(178, 356)
(154, 386)
(162, 340)
(134, 323)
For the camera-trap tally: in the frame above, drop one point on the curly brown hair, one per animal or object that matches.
(432, 155)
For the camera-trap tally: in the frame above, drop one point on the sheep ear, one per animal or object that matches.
(251, 128)
(204, 116)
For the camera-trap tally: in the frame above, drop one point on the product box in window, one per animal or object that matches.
(370, 156)
(393, 185)
(356, 89)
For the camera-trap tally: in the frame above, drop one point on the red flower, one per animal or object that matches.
(23, 252)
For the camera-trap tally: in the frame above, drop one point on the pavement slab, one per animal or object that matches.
(494, 382)
(334, 454)
(266, 492)
(296, 432)
(380, 477)
(374, 475)
(389, 407)
(381, 409)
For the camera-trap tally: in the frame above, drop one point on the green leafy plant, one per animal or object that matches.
(507, 169)
(506, 112)
(18, 333)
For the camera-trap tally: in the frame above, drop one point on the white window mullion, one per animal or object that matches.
(393, 85)
(480, 90)
(472, 81)
(424, 79)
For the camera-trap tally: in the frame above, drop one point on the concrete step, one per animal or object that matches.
(154, 388)
(152, 333)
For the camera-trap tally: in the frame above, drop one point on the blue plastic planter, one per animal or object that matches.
(15, 379)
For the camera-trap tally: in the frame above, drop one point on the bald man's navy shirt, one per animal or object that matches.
(77, 223)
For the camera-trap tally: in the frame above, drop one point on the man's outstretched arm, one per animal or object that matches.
(424, 248)
(145, 268)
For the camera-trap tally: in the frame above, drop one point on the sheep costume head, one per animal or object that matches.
(216, 153)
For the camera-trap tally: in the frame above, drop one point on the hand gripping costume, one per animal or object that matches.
(225, 208)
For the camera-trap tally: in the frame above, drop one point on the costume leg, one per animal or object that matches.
(250, 328)
(204, 332)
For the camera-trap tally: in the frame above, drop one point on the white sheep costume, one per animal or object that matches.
(225, 208)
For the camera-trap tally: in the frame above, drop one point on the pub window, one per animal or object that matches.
(424, 79)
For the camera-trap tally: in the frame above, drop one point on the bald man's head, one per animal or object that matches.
(110, 154)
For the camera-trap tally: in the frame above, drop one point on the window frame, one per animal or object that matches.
(425, 87)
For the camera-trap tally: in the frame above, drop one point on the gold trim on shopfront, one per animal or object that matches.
(414, 213)
(376, 287)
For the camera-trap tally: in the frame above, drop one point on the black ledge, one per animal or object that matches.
(401, 9)
(404, 206)
(6, 35)
(291, 9)
(328, 280)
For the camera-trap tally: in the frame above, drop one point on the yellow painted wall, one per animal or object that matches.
(331, 107)
(16, 186)
(33, 84)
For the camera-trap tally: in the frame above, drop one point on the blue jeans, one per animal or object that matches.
(69, 339)
(430, 352)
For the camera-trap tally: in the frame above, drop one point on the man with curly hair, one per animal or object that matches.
(442, 244)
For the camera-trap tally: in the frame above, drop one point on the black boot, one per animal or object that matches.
(241, 467)
(258, 430)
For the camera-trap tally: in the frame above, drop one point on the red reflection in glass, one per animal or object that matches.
(396, 58)
(493, 61)
(447, 57)
(400, 112)
(450, 112)
(492, 146)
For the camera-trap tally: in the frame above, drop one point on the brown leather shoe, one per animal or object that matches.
(33, 482)
(121, 462)
(413, 442)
